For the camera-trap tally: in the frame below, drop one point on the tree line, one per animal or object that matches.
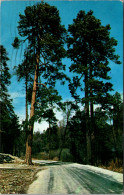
(87, 134)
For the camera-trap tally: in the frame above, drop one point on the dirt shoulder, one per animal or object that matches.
(15, 178)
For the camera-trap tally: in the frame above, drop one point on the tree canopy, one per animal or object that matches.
(91, 48)
(9, 123)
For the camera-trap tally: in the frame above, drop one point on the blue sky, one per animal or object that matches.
(109, 12)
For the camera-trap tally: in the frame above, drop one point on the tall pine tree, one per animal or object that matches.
(41, 26)
(91, 48)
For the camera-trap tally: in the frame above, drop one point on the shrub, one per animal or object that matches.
(66, 155)
(41, 156)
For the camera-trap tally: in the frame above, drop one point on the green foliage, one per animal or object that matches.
(46, 37)
(74, 148)
(53, 153)
(38, 143)
(41, 156)
(66, 155)
(10, 128)
(16, 43)
(90, 48)
(5, 75)
(77, 135)
(41, 26)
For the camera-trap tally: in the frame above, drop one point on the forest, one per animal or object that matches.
(92, 126)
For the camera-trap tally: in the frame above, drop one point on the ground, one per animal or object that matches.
(15, 175)
(52, 177)
(74, 178)
(15, 179)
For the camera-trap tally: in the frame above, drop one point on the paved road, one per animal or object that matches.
(76, 179)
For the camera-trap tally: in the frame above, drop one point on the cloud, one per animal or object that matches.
(16, 95)
(41, 126)
(122, 96)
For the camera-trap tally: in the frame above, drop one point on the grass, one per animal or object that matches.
(114, 165)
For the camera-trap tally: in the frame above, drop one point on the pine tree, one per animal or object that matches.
(90, 48)
(41, 26)
(9, 124)
(4, 82)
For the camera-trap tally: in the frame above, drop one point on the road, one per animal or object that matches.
(74, 178)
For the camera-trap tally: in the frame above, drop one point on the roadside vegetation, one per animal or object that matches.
(92, 125)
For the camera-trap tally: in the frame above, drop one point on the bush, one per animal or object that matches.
(66, 155)
(41, 156)
(115, 165)
(54, 154)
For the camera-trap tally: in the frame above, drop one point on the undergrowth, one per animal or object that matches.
(114, 165)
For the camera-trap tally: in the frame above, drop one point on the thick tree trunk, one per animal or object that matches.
(32, 113)
(26, 104)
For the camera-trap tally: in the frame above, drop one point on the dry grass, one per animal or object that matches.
(16, 181)
(114, 165)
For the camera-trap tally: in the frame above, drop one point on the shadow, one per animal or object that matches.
(51, 163)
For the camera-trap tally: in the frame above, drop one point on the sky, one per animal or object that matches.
(109, 12)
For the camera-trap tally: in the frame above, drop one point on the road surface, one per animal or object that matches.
(74, 178)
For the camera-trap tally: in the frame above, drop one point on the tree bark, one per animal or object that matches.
(88, 136)
(32, 113)
(0, 141)
(26, 104)
(26, 113)
(91, 110)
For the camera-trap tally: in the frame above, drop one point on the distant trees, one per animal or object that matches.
(9, 123)
(116, 115)
(106, 139)
(68, 109)
(90, 48)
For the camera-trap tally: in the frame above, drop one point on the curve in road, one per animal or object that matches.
(74, 179)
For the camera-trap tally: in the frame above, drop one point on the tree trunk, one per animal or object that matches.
(32, 113)
(88, 136)
(91, 117)
(115, 141)
(0, 141)
(0, 130)
(26, 111)
(26, 104)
